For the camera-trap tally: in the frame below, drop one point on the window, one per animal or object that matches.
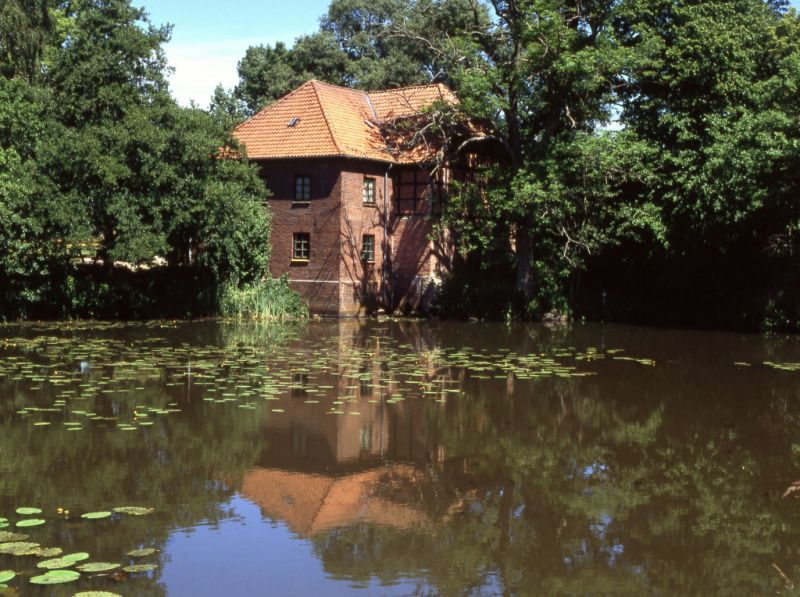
(368, 247)
(369, 191)
(301, 246)
(411, 191)
(302, 188)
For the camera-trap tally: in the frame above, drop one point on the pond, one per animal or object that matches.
(396, 458)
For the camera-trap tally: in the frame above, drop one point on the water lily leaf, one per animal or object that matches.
(134, 510)
(6, 536)
(76, 557)
(140, 568)
(98, 567)
(95, 515)
(31, 522)
(28, 511)
(96, 594)
(45, 552)
(17, 547)
(55, 564)
(142, 553)
(56, 577)
(7, 575)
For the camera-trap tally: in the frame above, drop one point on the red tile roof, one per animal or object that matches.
(310, 504)
(409, 101)
(322, 120)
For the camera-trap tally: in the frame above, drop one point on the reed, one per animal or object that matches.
(271, 300)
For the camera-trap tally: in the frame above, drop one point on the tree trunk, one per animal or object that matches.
(524, 239)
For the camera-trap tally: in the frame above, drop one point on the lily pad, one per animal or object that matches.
(6, 536)
(28, 511)
(55, 564)
(98, 567)
(96, 594)
(142, 553)
(56, 577)
(17, 547)
(45, 552)
(7, 575)
(76, 557)
(95, 515)
(134, 510)
(31, 522)
(140, 568)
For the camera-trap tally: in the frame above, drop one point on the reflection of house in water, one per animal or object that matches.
(308, 438)
(320, 471)
(311, 503)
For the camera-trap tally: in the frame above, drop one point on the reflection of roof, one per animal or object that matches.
(310, 504)
(321, 120)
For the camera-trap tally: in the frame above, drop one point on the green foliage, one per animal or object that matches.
(693, 195)
(711, 90)
(268, 300)
(100, 165)
(25, 26)
(368, 45)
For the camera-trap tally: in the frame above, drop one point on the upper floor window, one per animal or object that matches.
(368, 248)
(265, 179)
(369, 191)
(301, 246)
(302, 188)
(412, 188)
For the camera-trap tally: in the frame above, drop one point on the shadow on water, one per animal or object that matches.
(405, 457)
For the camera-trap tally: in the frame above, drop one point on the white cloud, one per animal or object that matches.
(201, 66)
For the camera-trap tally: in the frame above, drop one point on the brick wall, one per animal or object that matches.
(336, 280)
(361, 287)
(317, 279)
(419, 259)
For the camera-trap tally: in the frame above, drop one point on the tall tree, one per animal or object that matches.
(25, 28)
(360, 44)
(543, 72)
(711, 89)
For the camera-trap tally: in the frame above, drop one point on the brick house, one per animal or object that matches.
(350, 209)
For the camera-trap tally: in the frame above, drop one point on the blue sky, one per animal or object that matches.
(209, 38)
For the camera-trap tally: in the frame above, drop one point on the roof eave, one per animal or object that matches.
(345, 156)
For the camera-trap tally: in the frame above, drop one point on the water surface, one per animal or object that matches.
(403, 458)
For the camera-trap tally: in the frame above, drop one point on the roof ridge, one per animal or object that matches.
(314, 84)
